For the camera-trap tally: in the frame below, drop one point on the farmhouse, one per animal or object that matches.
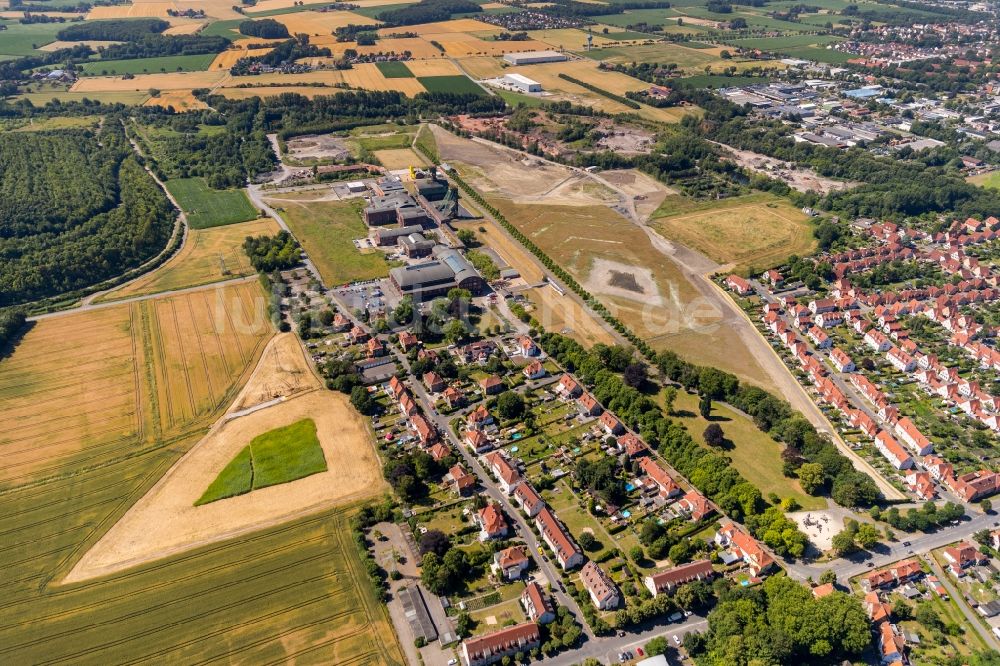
(535, 57)
(602, 589)
(491, 648)
(667, 581)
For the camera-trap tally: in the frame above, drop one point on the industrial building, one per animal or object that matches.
(394, 208)
(437, 277)
(391, 235)
(415, 245)
(522, 83)
(535, 57)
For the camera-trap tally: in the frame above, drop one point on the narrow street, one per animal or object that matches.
(957, 595)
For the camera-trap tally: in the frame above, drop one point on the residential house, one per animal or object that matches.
(477, 441)
(537, 606)
(740, 285)
(695, 505)
(963, 556)
(453, 397)
(479, 418)
(534, 370)
(841, 361)
(667, 581)
(568, 387)
(611, 424)
(527, 347)
(461, 481)
(938, 467)
(877, 341)
(901, 360)
(819, 337)
(426, 432)
(434, 382)
(492, 523)
(408, 341)
(491, 648)
(731, 536)
(588, 405)
(975, 485)
(603, 591)
(491, 385)
(631, 445)
(510, 563)
(921, 484)
(375, 348)
(508, 478)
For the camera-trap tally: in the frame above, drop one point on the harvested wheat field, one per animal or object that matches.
(417, 47)
(228, 58)
(465, 25)
(184, 29)
(166, 521)
(568, 38)
(143, 82)
(365, 76)
(181, 100)
(274, 91)
(135, 374)
(368, 77)
(433, 68)
(282, 372)
(399, 158)
(135, 10)
(481, 67)
(459, 45)
(209, 255)
(321, 23)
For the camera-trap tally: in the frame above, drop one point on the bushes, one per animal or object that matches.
(601, 91)
(272, 253)
(11, 326)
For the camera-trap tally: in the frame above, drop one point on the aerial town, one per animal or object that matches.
(454, 332)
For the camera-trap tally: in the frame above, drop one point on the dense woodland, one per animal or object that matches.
(60, 231)
(427, 11)
(264, 28)
(116, 31)
(152, 46)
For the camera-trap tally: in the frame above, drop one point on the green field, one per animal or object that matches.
(753, 453)
(514, 98)
(719, 81)
(21, 40)
(327, 230)
(47, 95)
(206, 207)
(276, 457)
(990, 180)
(662, 52)
(458, 83)
(394, 69)
(635, 16)
(785, 42)
(292, 593)
(179, 63)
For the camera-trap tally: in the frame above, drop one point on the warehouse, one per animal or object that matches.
(445, 272)
(535, 57)
(522, 83)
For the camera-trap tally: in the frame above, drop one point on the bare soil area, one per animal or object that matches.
(616, 279)
(317, 146)
(166, 521)
(646, 192)
(796, 177)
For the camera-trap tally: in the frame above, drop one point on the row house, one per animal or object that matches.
(938, 467)
(667, 581)
(537, 605)
(528, 499)
(901, 360)
(664, 483)
(896, 574)
(426, 432)
(603, 592)
(819, 337)
(492, 648)
(921, 484)
(892, 451)
(908, 432)
(975, 485)
(866, 424)
(567, 553)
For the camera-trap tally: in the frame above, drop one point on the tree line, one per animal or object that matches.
(113, 30)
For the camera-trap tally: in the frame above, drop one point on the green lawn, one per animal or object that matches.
(754, 454)
(719, 81)
(279, 456)
(458, 83)
(990, 180)
(327, 230)
(785, 42)
(394, 69)
(178, 63)
(21, 40)
(206, 207)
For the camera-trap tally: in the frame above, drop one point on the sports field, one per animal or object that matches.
(278, 456)
(134, 376)
(178, 63)
(327, 230)
(206, 207)
(758, 230)
(208, 255)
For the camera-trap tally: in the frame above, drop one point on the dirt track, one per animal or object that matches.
(165, 521)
